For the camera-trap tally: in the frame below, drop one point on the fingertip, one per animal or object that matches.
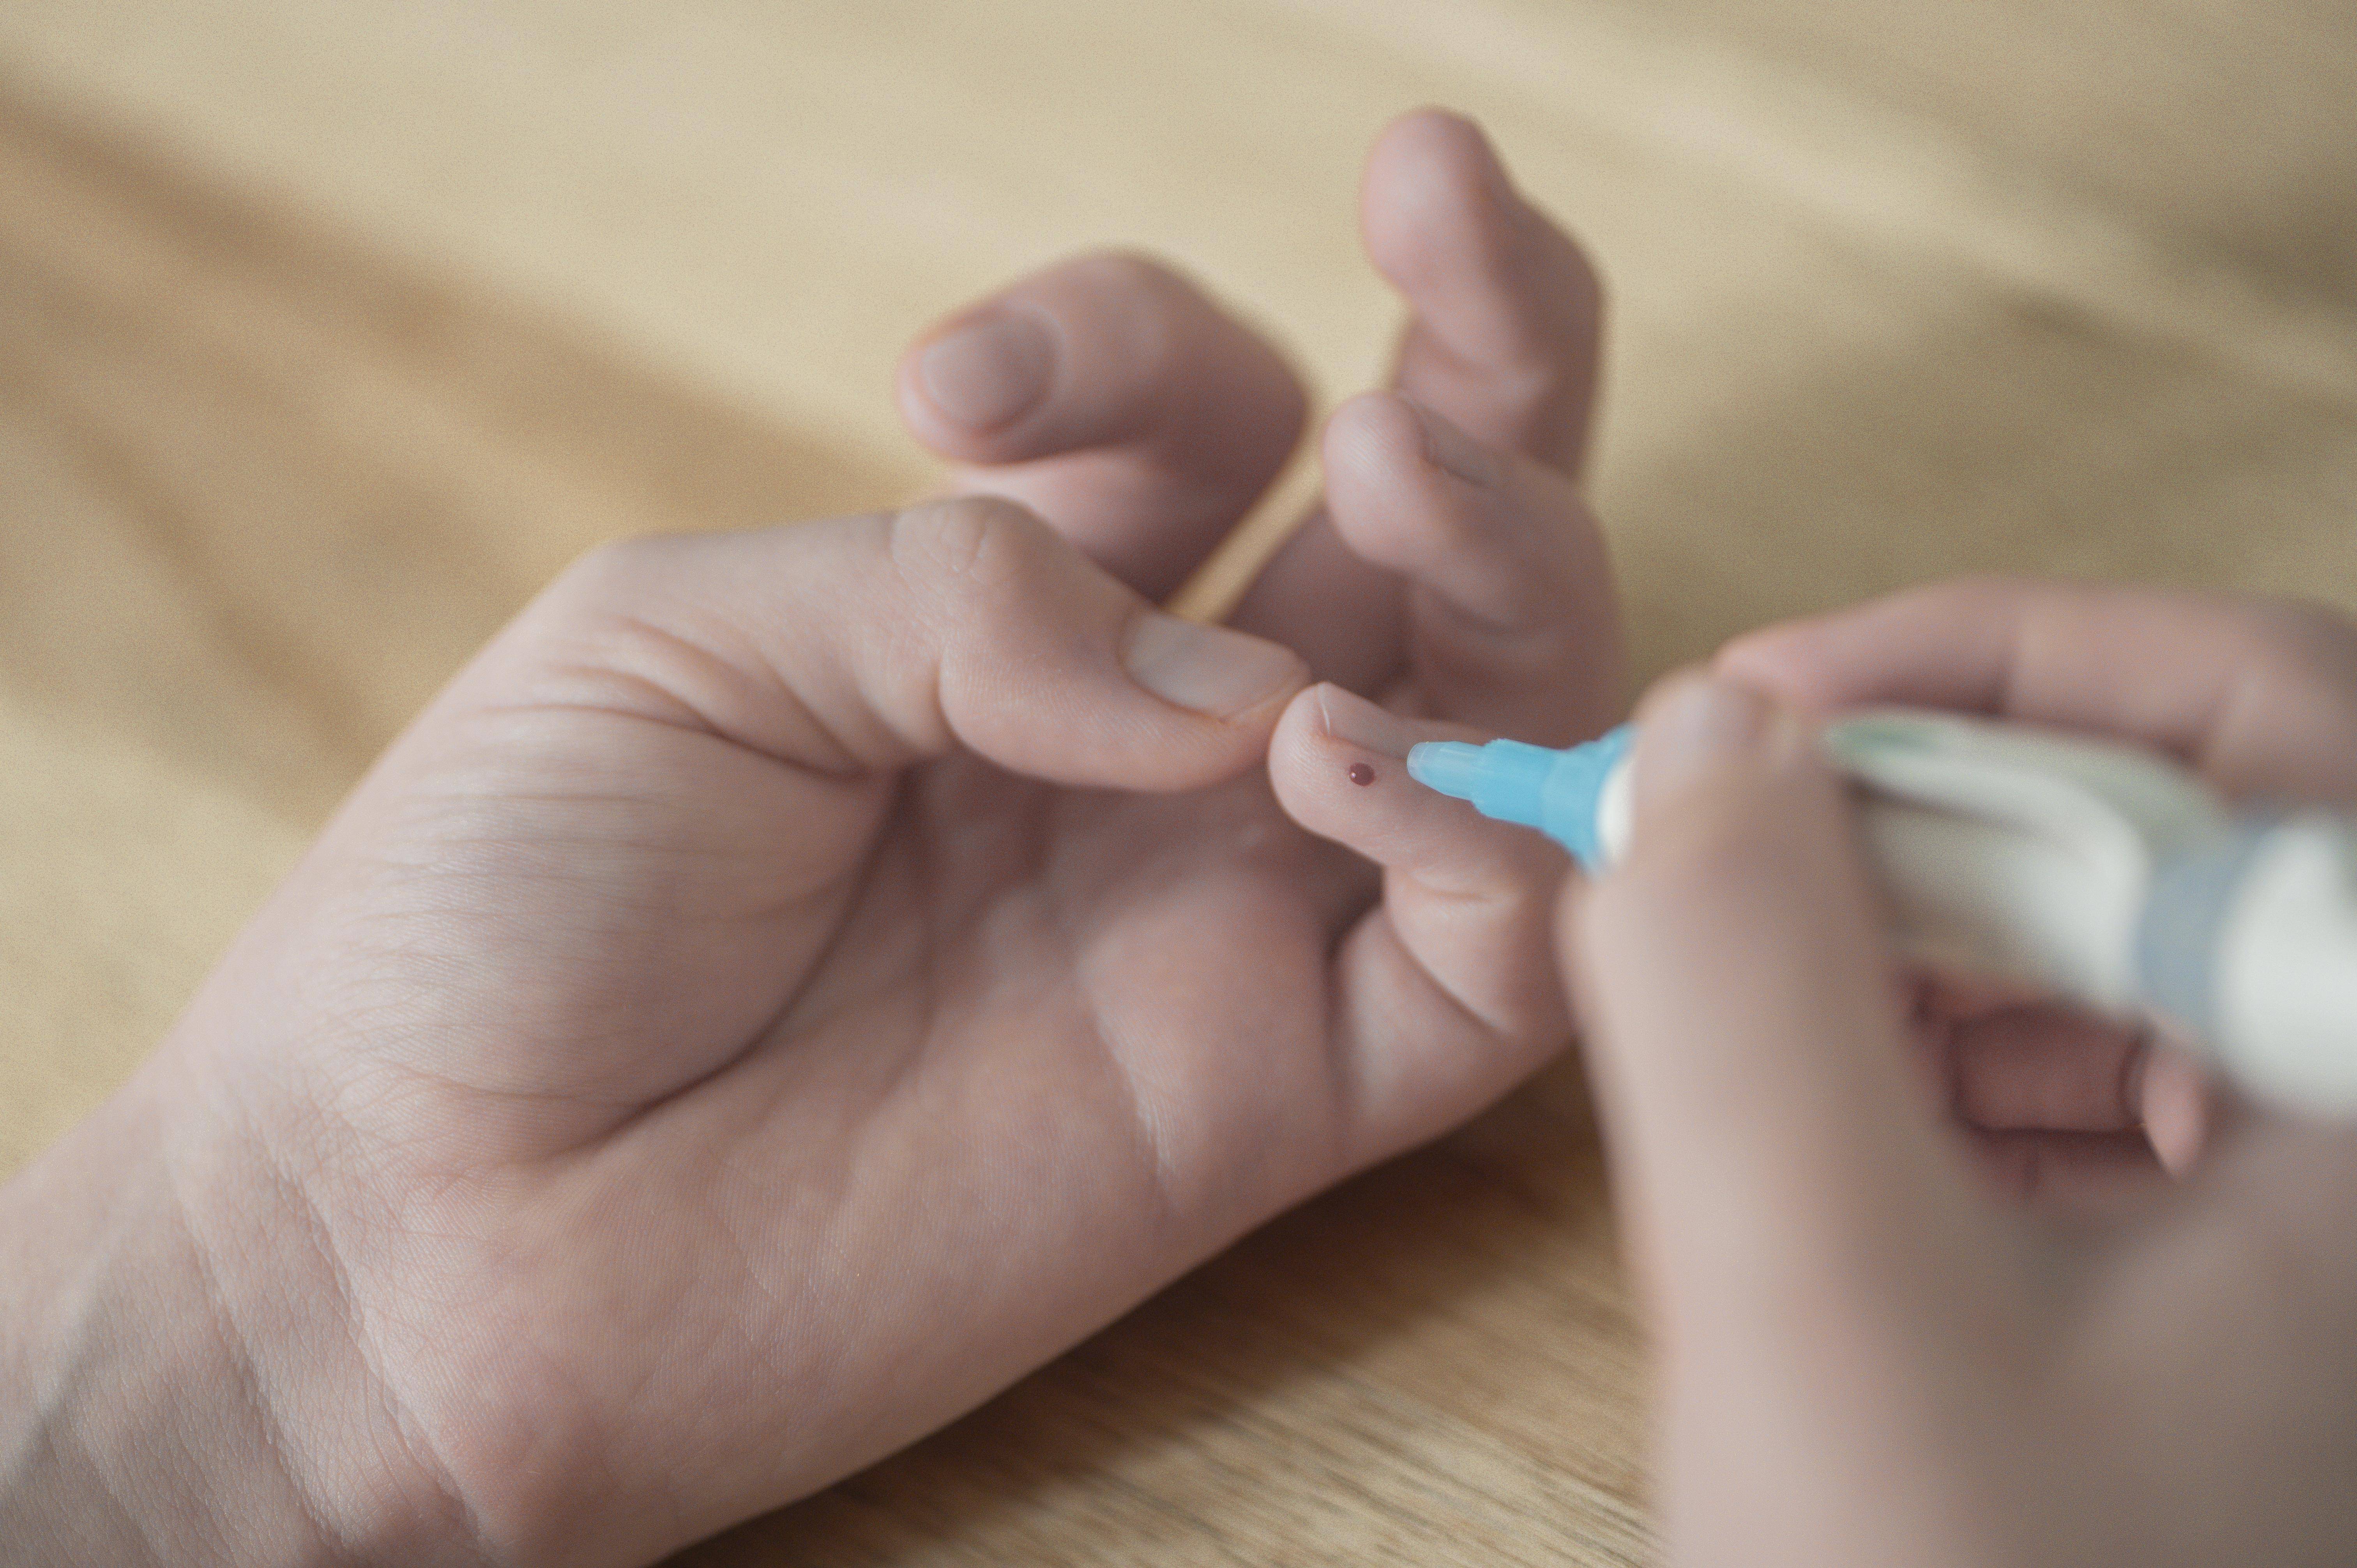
(1428, 126)
(1373, 429)
(1432, 155)
(1048, 665)
(1335, 756)
(2174, 1100)
(1293, 744)
(1694, 729)
(1431, 171)
(1106, 349)
(1736, 809)
(1213, 671)
(967, 387)
(1372, 452)
(1513, 621)
(1506, 306)
(1412, 492)
(1339, 764)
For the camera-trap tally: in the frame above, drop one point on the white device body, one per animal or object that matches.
(2106, 875)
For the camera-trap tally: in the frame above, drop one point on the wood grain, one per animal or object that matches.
(260, 494)
(327, 333)
(1433, 1365)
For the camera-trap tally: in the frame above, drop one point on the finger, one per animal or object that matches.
(1514, 627)
(2042, 1068)
(2084, 1173)
(2057, 1069)
(1112, 397)
(1506, 308)
(1746, 1019)
(2261, 695)
(862, 645)
(1446, 994)
(2179, 1104)
(1501, 339)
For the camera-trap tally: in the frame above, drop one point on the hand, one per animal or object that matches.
(792, 984)
(2057, 1106)
(1867, 1359)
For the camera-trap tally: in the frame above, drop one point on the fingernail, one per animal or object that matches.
(1452, 451)
(1207, 668)
(989, 371)
(1699, 725)
(1352, 719)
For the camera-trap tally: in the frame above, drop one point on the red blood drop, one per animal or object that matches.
(1361, 774)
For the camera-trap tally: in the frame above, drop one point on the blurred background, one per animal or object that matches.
(329, 332)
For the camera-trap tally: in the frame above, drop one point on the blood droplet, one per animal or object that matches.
(1361, 774)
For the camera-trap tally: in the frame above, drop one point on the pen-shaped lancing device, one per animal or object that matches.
(2089, 870)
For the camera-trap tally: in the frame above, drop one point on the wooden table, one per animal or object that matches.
(327, 333)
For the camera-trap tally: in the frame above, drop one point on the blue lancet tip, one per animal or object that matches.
(1558, 792)
(1451, 767)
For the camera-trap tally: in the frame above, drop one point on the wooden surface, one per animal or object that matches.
(328, 332)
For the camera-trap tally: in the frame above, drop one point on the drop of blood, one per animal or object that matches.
(1361, 774)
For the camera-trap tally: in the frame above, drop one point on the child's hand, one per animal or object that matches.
(2057, 1106)
(1867, 1360)
(791, 983)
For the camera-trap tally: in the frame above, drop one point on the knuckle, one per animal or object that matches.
(966, 545)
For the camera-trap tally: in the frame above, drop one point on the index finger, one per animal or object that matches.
(2257, 695)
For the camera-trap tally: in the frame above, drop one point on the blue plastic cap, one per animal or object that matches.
(1452, 766)
(1575, 792)
(1554, 791)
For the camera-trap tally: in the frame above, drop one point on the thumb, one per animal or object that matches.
(860, 645)
(1744, 1014)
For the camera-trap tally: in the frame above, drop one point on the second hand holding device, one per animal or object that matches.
(2089, 870)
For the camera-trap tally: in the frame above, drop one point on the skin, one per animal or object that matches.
(755, 1013)
(1867, 1356)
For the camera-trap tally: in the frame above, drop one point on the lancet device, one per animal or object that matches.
(2089, 870)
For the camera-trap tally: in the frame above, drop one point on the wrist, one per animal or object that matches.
(180, 1380)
